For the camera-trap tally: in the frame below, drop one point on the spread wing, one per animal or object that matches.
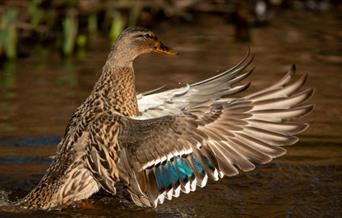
(165, 156)
(171, 102)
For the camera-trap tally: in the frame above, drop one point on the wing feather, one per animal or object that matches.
(215, 137)
(187, 135)
(171, 102)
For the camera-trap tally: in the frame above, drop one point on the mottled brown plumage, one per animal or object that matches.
(163, 143)
(68, 179)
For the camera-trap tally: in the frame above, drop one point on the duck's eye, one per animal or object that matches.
(148, 36)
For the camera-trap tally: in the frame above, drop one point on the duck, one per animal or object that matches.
(161, 144)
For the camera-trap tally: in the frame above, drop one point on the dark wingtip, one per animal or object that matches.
(304, 127)
(309, 108)
(245, 62)
(293, 70)
(247, 85)
(249, 50)
(311, 92)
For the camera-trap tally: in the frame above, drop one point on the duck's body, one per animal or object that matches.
(161, 144)
(67, 179)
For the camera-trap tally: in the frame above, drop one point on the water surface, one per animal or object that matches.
(38, 94)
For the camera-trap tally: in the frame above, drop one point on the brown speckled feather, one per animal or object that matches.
(68, 178)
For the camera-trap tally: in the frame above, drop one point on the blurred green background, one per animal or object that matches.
(68, 26)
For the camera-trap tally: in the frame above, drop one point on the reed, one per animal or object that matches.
(36, 13)
(117, 25)
(70, 29)
(8, 34)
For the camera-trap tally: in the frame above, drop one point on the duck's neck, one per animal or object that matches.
(116, 88)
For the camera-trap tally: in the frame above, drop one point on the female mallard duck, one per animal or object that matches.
(164, 143)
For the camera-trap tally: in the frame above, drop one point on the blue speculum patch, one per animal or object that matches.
(173, 173)
(181, 170)
(166, 174)
(198, 165)
(209, 163)
(170, 172)
(187, 168)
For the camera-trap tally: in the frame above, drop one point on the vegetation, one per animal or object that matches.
(67, 25)
(8, 34)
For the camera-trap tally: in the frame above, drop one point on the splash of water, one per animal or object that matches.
(4, 200)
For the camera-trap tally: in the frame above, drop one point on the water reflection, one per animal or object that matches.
(7, 80)
(71, 78)
(7, 86)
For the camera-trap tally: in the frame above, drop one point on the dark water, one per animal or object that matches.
(38, 95)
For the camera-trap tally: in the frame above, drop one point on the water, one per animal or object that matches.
(38, 94)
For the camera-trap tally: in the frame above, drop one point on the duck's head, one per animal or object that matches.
(135, 41)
